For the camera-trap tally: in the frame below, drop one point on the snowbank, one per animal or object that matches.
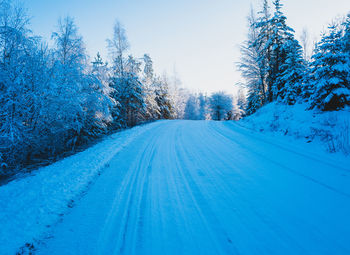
(330, 129)
(29, 206)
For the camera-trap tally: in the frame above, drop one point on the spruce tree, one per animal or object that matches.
(148, 81)
(292, 73)
(331, 71)
(282, 37)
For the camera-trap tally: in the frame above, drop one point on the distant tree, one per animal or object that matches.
(178, 94)
(163, 98)
(202, 111)
(191, 109)
(241, 103)
(220, 105)
(305, 43)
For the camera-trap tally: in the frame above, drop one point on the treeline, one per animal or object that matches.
(55, 99)
(218, 106)
(275, 67)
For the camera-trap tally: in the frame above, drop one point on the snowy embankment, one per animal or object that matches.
(329, 129)
(30, 205)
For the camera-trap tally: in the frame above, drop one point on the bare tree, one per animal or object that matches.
(305, 43)
(118, 45)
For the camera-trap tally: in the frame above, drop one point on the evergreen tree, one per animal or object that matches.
(130, 94)
(118, 45)
(163, 99)
(331, 71)
(99, 101)
(129, 91)
(148, 81)
(292, 73)
(271, 62)
(282, 41)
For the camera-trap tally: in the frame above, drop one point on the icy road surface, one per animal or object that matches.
(196, 187)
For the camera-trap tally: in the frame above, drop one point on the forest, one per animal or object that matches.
(276, 68)
(55, 100)
(102, 153)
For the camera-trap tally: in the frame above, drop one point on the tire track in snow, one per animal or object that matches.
(281, 166)
(132, 189)
(229, 139)
(203, 209)
(223, 188)
(187, 189)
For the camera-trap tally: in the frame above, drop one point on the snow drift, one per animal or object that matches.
(30, 205)
(330, 129)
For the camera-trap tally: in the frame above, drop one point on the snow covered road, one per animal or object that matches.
(197, 187)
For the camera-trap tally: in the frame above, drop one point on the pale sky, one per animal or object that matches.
(198, 38)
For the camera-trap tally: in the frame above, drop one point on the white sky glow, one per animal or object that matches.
(199, 38)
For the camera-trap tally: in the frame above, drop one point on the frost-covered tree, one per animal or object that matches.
(305, 43)
(129, 91)
(191, 108)
(71, 85)
(241, 103)
(178, 94)
(259, 40)
(346, 37)
(292, 73)
(99, 101)
(202, 111)
(17, 98)
(53, 99)
(253, 63)
(163, 98)
(149, 82)
(331, 70)
(281, 43)
(272, 60)
(130, 94)
(220, 105)
(118, 47)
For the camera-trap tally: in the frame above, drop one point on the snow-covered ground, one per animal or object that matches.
(186, 187)
(331, 130)
(29, 206)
